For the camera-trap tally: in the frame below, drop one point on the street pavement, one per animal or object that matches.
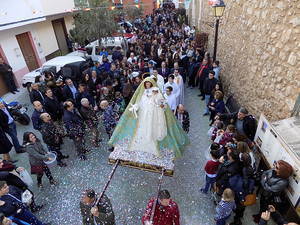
(130, 189)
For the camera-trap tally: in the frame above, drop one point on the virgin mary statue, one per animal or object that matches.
(148, 124)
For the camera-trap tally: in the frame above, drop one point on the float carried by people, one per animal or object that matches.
(148, 136)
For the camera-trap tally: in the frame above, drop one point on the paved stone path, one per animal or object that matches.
(130, 189)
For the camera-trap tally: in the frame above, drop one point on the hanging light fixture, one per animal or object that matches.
(218, 8)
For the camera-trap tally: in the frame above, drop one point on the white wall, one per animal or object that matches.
(52, 7)
(69, 21)
(16, 10)
(12, 12)
(46, 36)
(43, 37)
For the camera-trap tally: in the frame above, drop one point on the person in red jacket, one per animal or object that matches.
(166, 211)
(211, 168)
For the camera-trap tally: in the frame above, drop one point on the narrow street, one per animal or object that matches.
(82, 58)
(130, 189)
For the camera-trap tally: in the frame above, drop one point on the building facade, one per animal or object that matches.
(33, 31)
(259, 51)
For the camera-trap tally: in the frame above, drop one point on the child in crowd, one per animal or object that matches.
(171, 98)
(211, 168)
(227, 135)
(212, 132)
(119, 103)
(225, 207)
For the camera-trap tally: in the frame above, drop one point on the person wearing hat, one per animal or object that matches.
(245, 124)
(93, 214)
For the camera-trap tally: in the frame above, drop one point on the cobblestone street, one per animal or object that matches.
(130, 189)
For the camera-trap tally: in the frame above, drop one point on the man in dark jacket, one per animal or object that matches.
(69, 90)
(117, 55)
(8, 76)
(83, 93)
(35, 117)
(74, 127)
(35, 94)
(228, 169)
(53, 106)
(52, 138)
(208, 86)
(202, 74)
(93, 215)
(245, 124)
(8, 125)
(93, 83)
(164, 71)
(91, 120)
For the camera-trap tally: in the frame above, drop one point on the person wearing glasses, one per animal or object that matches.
(273, 183)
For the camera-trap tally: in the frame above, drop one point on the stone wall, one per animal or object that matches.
(259, 51)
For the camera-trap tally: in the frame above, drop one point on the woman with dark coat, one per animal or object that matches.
(37, 155)
(216, 106)
(228, 169)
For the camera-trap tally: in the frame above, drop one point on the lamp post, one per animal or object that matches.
(218, 10)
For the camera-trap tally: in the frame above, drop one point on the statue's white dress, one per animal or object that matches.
(151, 123)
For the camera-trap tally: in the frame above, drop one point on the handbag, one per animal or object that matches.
(27, 197)
(250, 199)
(26, 178)
(37, 169)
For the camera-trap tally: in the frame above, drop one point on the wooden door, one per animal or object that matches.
(27, 51)
(60, 34)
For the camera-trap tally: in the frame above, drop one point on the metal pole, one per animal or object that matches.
(108, 182)
(216, 39)
(158, 189)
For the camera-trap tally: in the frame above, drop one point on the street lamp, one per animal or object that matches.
(218, 10)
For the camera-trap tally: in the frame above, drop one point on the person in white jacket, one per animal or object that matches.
(171, 98)
(176, 90)
(159, 79)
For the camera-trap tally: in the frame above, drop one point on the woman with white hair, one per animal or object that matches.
(91, 120)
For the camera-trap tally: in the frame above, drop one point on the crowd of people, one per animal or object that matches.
(166, 51)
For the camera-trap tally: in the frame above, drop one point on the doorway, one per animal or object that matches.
(60, 31)
(27, 51)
